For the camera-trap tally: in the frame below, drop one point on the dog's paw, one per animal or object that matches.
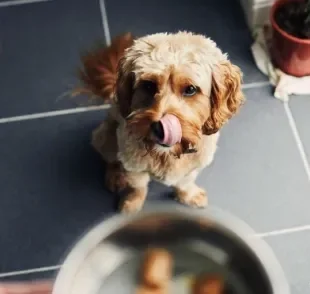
(130, 206)
(115, 180)
(197, 198)
(133, 202)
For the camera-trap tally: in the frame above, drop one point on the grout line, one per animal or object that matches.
(284, 231)
(19, 2)
(53, 113)
(57, 267)
(255, 85)
(31, 271)
(105, 24)
(296, 135)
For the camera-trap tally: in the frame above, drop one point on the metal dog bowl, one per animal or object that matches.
(107, 259)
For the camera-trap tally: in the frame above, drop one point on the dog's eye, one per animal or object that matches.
(190, 91)
(149, 87)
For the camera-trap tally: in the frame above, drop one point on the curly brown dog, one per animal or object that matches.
(170, 95)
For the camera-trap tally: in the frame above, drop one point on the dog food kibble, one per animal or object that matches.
(208, 284)
(156, 277)
(156, 269)
(150, 290)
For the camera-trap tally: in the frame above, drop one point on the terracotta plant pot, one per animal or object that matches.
(290, 54)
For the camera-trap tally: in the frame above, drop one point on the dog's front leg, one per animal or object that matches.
(187, 192)
(133, 186)
(135, 193)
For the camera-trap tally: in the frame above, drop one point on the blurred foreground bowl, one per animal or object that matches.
(107, 258)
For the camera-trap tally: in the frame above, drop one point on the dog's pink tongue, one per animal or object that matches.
(172, 130)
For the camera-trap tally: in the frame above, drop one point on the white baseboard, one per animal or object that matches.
(256, 11)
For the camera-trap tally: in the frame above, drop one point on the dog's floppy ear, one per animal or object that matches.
(124, 86)
(226, 96)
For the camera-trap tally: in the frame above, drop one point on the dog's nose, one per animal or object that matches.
(158, 130)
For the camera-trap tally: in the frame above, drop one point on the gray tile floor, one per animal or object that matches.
(51, 179)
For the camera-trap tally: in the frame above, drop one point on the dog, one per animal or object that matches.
(171, 93)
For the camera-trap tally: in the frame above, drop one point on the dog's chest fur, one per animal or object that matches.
(161, 165)
(113, 142)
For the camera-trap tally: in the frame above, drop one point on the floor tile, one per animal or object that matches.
(13, 1)
(292, 251)
(258, 173)
(52, 180)
(51, 189)
(223, 21)
(300, 107)
(40, 46)
(19, 2)
(44, 275)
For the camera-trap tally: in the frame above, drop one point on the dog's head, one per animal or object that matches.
(174, 88)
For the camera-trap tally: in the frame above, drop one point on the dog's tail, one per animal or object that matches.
(99, 69)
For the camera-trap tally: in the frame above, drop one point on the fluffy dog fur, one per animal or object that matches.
(145, 79)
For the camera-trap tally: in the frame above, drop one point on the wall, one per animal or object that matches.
(256, 11)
